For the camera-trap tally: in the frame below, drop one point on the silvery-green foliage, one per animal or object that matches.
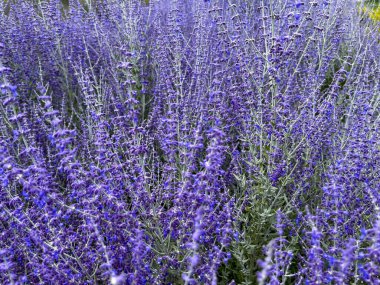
(189, 142)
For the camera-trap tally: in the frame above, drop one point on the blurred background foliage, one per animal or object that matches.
(66, 3)
(370, 7)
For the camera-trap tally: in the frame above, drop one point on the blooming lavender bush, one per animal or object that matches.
(189, 142)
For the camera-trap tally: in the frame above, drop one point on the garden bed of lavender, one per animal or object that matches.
(189, 142)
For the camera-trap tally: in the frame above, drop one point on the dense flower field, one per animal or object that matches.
(189, 142)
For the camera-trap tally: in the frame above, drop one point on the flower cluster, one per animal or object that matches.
(189, 142)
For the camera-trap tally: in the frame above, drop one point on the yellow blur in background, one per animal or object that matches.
(374, 14)
(373, 11)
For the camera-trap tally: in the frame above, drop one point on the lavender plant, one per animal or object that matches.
(189, 142)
